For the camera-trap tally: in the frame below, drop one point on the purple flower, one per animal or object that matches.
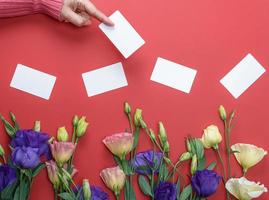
(7, 176)
(96, 193)
(205, 182)
(145, 161)
(30, 138)
(165, 191)
(25, 157)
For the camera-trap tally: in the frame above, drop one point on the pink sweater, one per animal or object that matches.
(13, 8)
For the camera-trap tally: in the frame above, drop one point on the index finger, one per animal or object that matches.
(93, 11)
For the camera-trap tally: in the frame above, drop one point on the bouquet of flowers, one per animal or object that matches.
(29, 150)
(158, 177)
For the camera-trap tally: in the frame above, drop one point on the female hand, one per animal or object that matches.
(81, 12)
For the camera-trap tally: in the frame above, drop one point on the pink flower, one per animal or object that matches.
(114, 178)
(119, 144)
(52, 170)
(62, 151)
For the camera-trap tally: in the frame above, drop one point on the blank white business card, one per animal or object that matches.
(122, 35)
(33, 81)
(104, 79)
(173, 75)
(242, 76)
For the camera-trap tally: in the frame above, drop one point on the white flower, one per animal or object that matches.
(244, 189)
(248, 155)
(211, 137)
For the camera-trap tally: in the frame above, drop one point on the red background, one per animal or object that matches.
(210, 36)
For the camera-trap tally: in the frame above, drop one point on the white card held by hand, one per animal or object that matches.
(104, 79)
(242, 76)
(33, 81)
(173, 75)
(122, 35)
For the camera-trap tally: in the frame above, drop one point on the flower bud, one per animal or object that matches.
(86, 189)
(222, 112)
(62, 134)
(37, 126)
(137, 117)
(188, 145)
(2, 151)
(185, 156)
(162, 134)
(81, 127)
(166, 147)
(52, 170)
(75, 121)
(152, 135)
(127, 108)
(143, 124)
(211, 137)
(194, 164)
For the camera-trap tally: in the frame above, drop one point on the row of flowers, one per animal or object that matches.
(157, 175)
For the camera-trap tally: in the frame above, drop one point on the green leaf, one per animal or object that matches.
(38, 169)
(66, 196)
(201, 163)
(163, 172)
(186, 192)
(144, 186)
(212, 166)
(136, 137)
(8, 192)
(8, 127)
(178, 188)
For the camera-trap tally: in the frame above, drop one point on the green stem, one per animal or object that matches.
(152, 184)
(222, 165)
(21, 177)
(228, 146)
(131, 123)
(117, 195)
(55, 194)
(4, 159)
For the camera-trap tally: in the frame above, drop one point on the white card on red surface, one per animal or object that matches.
(104, 79)
(173, 75)
(122, 35)
(33, 81)
(242, 76)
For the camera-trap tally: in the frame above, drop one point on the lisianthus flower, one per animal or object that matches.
(97, 193)
(144, 162)
(243, 189)
(62, 151)
(248, 155)
(25, 157)
(7, 176)
(205, 182)
(165, 190)
(120, 144)
(30, 138)
(114, 178)
(52, 170)
(211, 137)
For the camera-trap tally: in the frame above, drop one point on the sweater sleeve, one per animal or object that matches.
(13, 8)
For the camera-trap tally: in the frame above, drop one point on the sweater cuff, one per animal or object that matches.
(52, 8)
